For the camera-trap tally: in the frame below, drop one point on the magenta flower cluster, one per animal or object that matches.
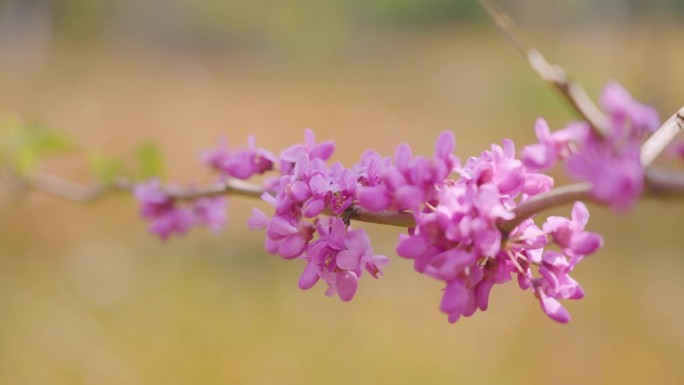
(169, 215)
(611, 163)
(458, 208)
(458, 240)
(307, 188)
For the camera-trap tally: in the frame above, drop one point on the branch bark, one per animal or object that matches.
(573, 92)
(68, 190)
(552, 198)
(660, 139)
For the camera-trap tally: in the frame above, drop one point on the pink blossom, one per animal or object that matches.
(168, 216)
(628, 116)
(241, 164)
(570, 235)
(339, 257)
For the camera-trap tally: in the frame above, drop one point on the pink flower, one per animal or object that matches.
(628, 116)
(616, 174)
(569, 234)
(168, 216)
(242, 164)
(310, 148)
(408, 183)
(339, 258)
(287, 237)
(211, 212)
(552, 147)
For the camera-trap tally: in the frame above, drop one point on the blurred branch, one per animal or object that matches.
(385, 217)
(660, 139)
(573, 92)
(661, 182)
(65, 189)
(552, 198)
(658, 181)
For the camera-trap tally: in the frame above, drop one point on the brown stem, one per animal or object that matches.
(573, 92)
(66, 189)
(63, 188)
(659, 183)
(386, 217)
(552, 198)
(662, 182)
(660, 139)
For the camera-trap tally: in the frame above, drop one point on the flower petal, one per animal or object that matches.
(347, 283)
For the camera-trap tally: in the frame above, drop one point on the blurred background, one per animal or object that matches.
(87, 296)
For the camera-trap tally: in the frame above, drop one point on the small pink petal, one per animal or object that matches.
(553, 308)
(412, 246)
(347, 283)
(279, 227)
(454, 298)
(409, 197)
(292, 246)
(313, 207)
(348, 260)
(323, 150)
(580, 214)
(585, 242)
(373, 198)
(402, 156)
(309, 277)
(445, 144)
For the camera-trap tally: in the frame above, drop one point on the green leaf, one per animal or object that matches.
(32, 141)
(105, 169)
(150, 161)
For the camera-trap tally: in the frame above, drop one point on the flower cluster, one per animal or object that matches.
(241, 164)
(460, 210)
(409, 182)
(611, 163)
(459, 241)
(306, 188)
(168, 215)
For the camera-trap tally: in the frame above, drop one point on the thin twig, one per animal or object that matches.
(660, 139)
(552, 198)
(573, 92)
(66, 189)
(386, 217)
(661, 182)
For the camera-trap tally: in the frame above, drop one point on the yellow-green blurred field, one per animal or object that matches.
(88, 297)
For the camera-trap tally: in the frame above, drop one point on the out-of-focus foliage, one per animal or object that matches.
(105, 169)
(150, 161)
(24, 143)
(288, 24)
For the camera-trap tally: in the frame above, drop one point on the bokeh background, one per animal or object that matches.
(87, 296)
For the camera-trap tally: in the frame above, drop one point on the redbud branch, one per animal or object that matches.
(660, 139)
(385, 217)
(229, 187)
(66, 189)
(659, 183)
(662, 182)
(573, 92)
(552, 198)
